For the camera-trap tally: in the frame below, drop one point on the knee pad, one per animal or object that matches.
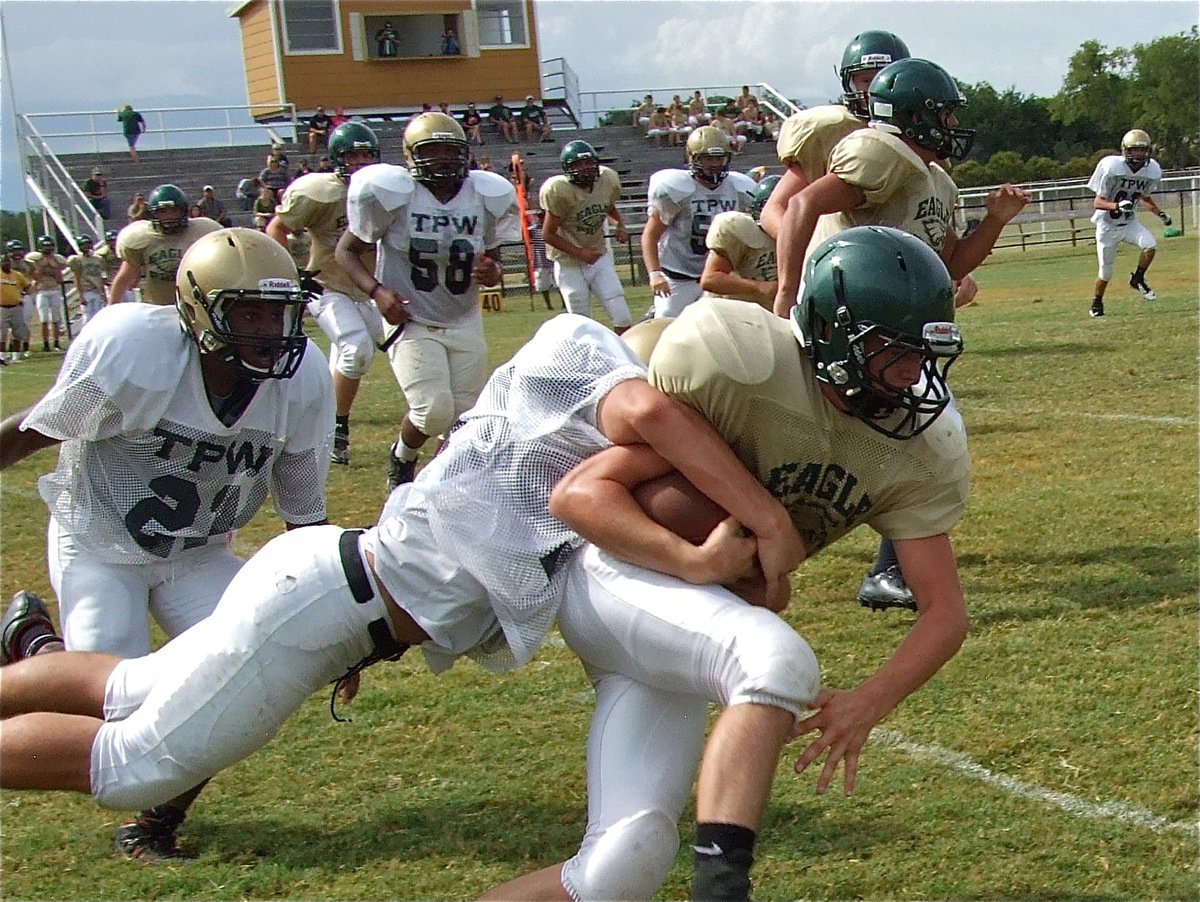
(629, 860)
(354, 356)
(773, 665)
(438, 416)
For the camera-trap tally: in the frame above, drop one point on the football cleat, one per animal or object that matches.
(151, 835)
(1140, 285)
(1097, 308)
(400, 471)
(886, 589)
(26, 628)
(340, 452)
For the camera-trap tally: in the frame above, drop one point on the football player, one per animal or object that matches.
(46, 267)
(439, 226)
(322, 603)
(811, 406)
(14, 288)
(16, 250)
(152, 248)
(88, 271)
(888, 174)
(316, 203)
(681, 204)
(1121, 182)
(578, 203)
(155, 474)
(741, 256)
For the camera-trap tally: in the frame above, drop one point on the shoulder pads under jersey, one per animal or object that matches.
(677, 185)
(388, 185)
(497, 192)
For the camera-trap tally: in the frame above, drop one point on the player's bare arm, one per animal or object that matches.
(15, 444)
(614, 216)
(652, 231)
(844, 718)
(792, 183)
(126, 278)
(279, 231)
(720, 278)
(554, 238)
(828, 194)
(348, 255)
(635, 412)
(964, 254)
(596, 500)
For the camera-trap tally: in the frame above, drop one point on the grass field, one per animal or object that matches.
(1054, 758)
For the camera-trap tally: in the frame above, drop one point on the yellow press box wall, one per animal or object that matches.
(349, 72)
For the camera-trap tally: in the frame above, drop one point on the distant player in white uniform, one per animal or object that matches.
(578, 203)
(681, 205)
(316, 204)
(466, 560)
(46, 268)
(1121, 183)
(439, 226)
(171, 439)
(87, 269)
(811, 407)
(741, 256)
(150, 249)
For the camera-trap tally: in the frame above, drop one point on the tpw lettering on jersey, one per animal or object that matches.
(712, 205)
(827, 486)
(1130, 184)
(443, 222)
(237, 455)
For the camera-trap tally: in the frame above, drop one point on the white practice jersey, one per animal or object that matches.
(426, 248)
(146, 469)
(1114, 180)
(688, 208)
(485, 495)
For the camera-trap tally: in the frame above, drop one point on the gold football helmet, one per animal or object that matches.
(1135, 147)
(708, 154)
(436, 150)
(239, 297)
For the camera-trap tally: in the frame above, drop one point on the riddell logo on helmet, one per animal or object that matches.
(875, 59)
(277, 285)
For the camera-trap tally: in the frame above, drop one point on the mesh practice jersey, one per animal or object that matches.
(687, 208)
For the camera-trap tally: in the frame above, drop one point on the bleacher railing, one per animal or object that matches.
(59, 197)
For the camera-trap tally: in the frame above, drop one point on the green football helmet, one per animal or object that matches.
(581, 164)
(347, 137)
(14, 247)
(875, 313)
(166, 199)
(84, 243)
(914, 98)
(762, 194)
(45, 244)
(867, 52)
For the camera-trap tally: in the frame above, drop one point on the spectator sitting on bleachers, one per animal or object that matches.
(533, 117)
(679, 125)
(339, 116)
(324, 165)
(750, 122)
(211, 207)
(96, 191)
(264, 207)
(745, 98)
(659, 127)
(643, 113)
(318, 129)
(502, 117)
(274, 176)
(137, 210)
(698, 113)
(736, 141)
(276, 151)
(472, 123)
(247, 190)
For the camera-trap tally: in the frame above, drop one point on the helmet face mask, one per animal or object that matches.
(239, 298)
(436, 150)
(708, 155)
(762, 194)
(45, 244)
(870, 52)
(875, 315)
(168, 208)
(1135, 148)
(581, 164)
(918, 99)
(85, 243)
(352, 145)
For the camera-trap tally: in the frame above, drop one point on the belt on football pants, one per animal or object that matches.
(387, 647)
(678, 276)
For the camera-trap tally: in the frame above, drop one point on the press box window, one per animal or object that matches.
(311, 26)
(502, 23)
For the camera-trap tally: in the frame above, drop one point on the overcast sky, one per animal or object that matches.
(75, 56)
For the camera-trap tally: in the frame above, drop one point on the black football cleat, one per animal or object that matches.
(151, 835)
(400, 471)
(26, 628)
(886, 589)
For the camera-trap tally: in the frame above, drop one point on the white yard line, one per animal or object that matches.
(1129, 417)
(1080, 807)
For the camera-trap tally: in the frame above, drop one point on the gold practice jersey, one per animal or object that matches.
(741, 240)
(88, 270)
(898, 189)
(740, 366)
(582, 212)
(157, 255)
(317, 202)
(45, 270)
(808, 137)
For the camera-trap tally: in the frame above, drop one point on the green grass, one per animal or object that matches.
(1079, 559)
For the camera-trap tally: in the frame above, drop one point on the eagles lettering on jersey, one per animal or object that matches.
(316, 204)
(158, 254)
(739, 365)
(88, 270)
(749, 250)
(582, 212)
